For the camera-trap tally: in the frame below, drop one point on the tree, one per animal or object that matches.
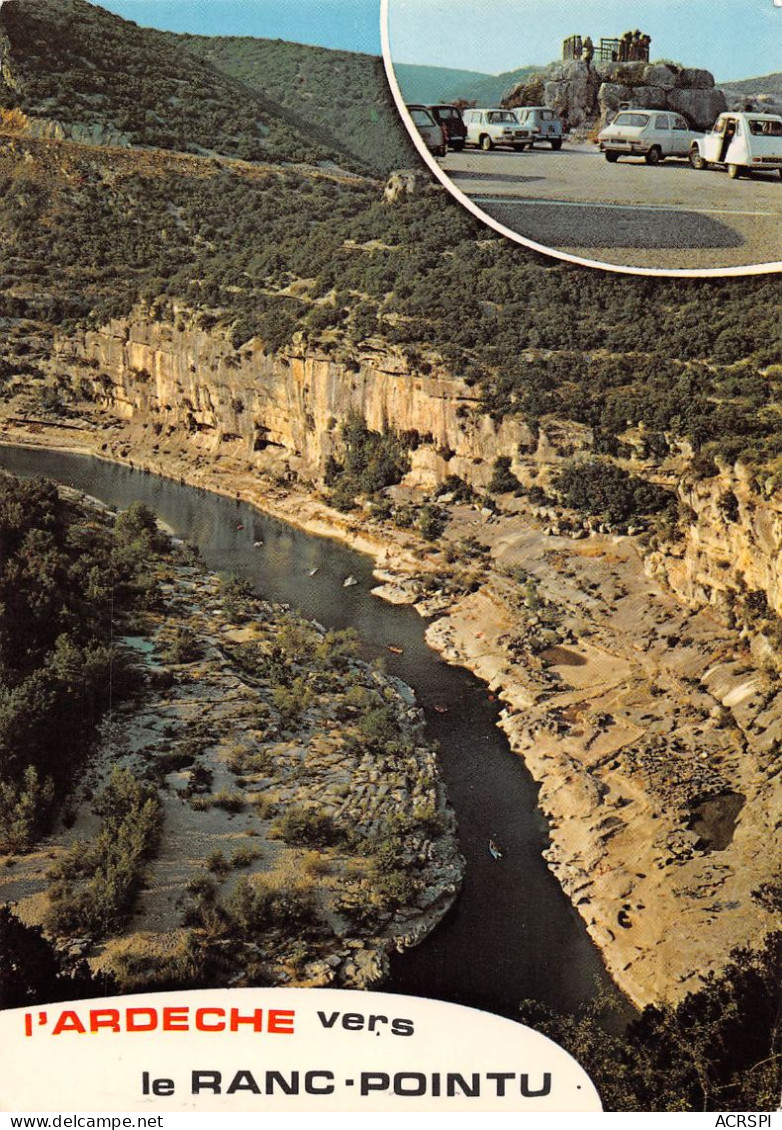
(716, 1050)
(503, 480)
(32, 972)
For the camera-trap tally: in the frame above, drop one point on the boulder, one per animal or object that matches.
(555, 97)
(611, 95)
(46, 128)
(405, 182)
(700, 107)
(629, 74)
(651, 97)
(580, 94)
(694, 79)
(660, 74)
(85, 133)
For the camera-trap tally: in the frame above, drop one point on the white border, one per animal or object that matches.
(465, 201)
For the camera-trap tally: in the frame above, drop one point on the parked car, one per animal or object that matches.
(541, 124)
(450, 118)
(430, 130)
(741, 142)
(488, 128)
(651, 134)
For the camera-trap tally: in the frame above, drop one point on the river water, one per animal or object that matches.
(512, 934)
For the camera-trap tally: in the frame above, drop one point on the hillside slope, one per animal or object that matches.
(442, 84)
(764, 84)
(342, 96)
(75, 70)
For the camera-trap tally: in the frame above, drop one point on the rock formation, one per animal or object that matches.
(592, 95)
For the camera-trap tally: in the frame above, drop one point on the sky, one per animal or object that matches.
(352, 25)
(732, 38)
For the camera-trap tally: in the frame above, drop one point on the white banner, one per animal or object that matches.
(280, 1050)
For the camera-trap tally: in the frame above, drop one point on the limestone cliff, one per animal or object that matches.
(730, 557)
(290, 405)
(648, 723)
(284, 411)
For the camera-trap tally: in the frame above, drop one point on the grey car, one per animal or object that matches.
(540, 124)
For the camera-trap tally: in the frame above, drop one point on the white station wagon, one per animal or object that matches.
(651, 134)
(742, 142)
(488, 128)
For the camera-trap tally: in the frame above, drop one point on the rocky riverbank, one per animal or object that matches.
(304, 832)
(647, 724)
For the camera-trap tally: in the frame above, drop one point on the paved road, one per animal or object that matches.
(629, 213)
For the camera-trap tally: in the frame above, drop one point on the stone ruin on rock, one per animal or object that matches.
(593, 82)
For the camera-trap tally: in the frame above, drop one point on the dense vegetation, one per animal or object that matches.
(33, 972)
(686, 359)
(65, 582)
(371, 462)
(716, 1051)
(85, 235)
(96, 882)
(341, 94)
(78, 64)
(601, 488)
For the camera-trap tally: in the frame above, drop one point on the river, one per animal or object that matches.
(512, 934)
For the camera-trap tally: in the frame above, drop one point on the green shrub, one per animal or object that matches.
(183, 647)
(308, 828)
(503, 481)
(97, 882)
(598, 487)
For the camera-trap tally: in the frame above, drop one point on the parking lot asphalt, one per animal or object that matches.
(631, 214)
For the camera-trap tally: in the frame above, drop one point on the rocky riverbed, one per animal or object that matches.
(304, 830)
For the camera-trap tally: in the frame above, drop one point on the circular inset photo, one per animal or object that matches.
(644, 138)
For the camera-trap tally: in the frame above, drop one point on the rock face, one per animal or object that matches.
(700, 107)
(292, 406)
(49, 129)
(582, 94)
(731, 552)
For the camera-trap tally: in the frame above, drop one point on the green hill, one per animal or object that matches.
(765, 84)
(86, 234)
(434, 84)
(81, 72)
(441, 84)
(491, 90)
(342, 96)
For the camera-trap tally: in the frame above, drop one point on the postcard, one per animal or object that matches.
(390, 589)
